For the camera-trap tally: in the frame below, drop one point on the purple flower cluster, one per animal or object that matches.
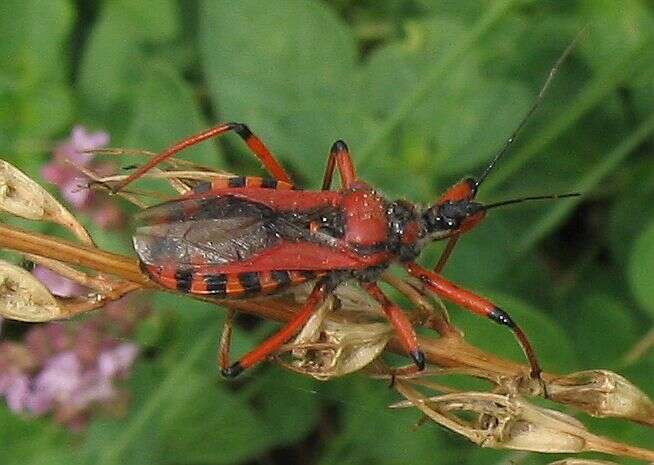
(70, 370)
(62, 171)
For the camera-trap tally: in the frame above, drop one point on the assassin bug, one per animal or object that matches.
(243, 236)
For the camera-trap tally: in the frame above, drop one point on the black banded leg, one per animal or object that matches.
(259, 149)
(475, 304)
(339, 156)
(253, 142)
(274, 342)
(400, 322)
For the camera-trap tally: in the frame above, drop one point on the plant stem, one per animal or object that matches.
(450, 351)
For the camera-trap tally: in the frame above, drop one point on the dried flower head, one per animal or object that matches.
(25, 298)
(21, 196)
(582, 462)
(510, 422)
(603, 393)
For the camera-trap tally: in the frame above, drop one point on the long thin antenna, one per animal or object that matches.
(526, 199)
(534, 106)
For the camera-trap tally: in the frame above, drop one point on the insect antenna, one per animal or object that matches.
(539, 98)
(527, 199)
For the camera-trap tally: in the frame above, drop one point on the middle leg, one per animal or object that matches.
(255, 144)
(400, 322)
(322, 288)
(340, 156)
(475, 304)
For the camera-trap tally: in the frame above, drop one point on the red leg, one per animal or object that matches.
(275, 341)
(475, 304)
(339, 155)
(465, 189)
(253, 142)
(401, 323)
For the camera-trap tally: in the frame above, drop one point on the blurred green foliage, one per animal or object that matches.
(424, 91)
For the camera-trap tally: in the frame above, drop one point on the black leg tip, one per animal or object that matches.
(500, 316)
(339, 146)
(241, 129)
(232, 371)
(418, 357)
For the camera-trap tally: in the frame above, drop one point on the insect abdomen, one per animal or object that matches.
(240, 181)
(228, 285)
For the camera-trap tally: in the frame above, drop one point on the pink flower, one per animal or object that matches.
(117, 361)
(69, 370)
(64, 173)
(57, 382)
(15, 387)
(80, 141)
(57, 284)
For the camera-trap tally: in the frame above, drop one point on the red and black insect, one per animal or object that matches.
(242, 237)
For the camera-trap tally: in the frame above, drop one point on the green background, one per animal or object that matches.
(423, 92)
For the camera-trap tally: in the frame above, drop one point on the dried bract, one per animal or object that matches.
(581, 462)
(603, 393)
(21, 196)
(510, 422)
(25, 298)
(332, 345)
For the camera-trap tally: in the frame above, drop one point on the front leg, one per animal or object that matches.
(400, 322)
(320, 291)
(475, 304)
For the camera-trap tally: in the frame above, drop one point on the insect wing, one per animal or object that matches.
(201, 232)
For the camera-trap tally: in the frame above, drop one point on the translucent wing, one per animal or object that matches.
(210, 231)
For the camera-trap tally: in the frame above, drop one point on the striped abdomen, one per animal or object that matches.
(228, 285)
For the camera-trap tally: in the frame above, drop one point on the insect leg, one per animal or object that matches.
(226, 340)
(253, 142)
(475, 304)
(339, 155)
(465, 189)
(400, 322)
(274, 342)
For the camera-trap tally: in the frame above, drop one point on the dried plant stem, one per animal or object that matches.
(449, 351)
(71, 253)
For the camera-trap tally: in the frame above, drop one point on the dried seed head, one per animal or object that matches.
(332, 345)
(603, 393)
(25, 298)
(582, 462)
(21, 196)
(504, 422)
(510, 422)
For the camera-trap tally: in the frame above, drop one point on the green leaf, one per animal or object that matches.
(597, 90)
(615, 29)
(34, 102)
(144, 419)
(37, 441)
(164, 112)
(117, 57)
(641, 268)
(230, 429)
(605, 329)
(363, 404)
(464, 117)
(608, 165)
(291, 76)
(286, 404)
(435, 73)
(552, 345)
